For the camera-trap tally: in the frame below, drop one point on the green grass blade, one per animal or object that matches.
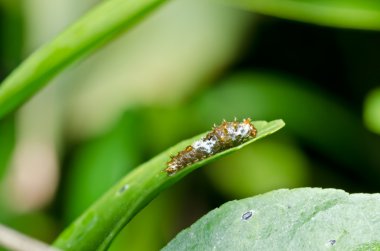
(97, 226)
(355, 14)
(96, 28)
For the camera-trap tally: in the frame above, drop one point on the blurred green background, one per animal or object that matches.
(191, 64)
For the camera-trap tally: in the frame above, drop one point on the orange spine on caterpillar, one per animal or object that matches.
(222, 137)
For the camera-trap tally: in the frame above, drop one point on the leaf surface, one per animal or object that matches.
(298, 219)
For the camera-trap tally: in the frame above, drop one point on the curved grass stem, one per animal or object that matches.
(96, 227)
(94, 29)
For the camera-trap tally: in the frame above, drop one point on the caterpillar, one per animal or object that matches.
(222, 137)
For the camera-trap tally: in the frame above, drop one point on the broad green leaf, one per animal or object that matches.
(98, 226)
(99, 26)
(298, 219)
(358, 14)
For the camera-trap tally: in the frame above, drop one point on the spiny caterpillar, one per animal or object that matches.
(222, 137)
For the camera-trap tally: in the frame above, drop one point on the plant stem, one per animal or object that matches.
(342, 14)
(96, 28)
(98, 225)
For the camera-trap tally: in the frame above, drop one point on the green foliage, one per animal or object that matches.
(299, 219)
(305, 107)
(97, 227)
(323, 122)
(339, 13)
(371, 111)
(96, 28)
(288, 168)
(7, 136)
(100, 163)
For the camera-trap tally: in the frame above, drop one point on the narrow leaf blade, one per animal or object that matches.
(96, 28)
(97, 226)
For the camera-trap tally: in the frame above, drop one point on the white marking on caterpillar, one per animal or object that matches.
(222, 137)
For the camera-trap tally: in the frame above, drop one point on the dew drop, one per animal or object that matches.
(247, 215)
(332, 242)
(123, 189)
